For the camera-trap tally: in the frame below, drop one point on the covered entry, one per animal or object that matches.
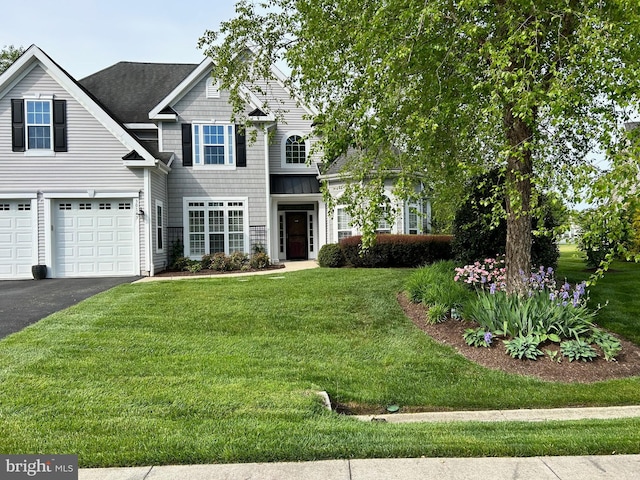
(297, 226)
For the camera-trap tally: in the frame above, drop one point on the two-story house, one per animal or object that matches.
(103, 176)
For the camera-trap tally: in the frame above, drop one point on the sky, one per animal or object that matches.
(84, 37)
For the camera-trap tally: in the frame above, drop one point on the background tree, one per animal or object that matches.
(8, 55)
(479, 233)
(459, 86)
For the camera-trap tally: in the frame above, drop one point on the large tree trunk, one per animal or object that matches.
(518, 204)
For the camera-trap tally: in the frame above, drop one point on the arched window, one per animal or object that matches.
(295, 150)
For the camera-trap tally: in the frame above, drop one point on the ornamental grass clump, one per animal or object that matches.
(545, 314)
(434, 286)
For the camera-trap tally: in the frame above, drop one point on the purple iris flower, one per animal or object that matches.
(487, 338)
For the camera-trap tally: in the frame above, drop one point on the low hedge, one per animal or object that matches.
(397, 250)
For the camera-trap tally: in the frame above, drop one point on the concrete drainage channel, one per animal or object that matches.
(523, 415)
(326, 401)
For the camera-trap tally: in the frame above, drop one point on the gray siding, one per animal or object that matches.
(293, 121)
(159, 192)
(249, 181)
(93, 160)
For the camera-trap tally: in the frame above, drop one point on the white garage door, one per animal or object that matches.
(16, 239)
(93, 238)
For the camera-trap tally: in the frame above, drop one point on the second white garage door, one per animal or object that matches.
(94, 238)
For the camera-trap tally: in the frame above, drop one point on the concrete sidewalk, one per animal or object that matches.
(290, 266)
(618, 467)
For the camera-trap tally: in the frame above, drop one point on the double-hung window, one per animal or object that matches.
(38, 124)
(213, 145)
(214, 226)
(343, 223)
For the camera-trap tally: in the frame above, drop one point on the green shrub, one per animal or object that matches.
(180, 263)
(477, 236)
(206, 261)
(176, 251)
(237, 260)
(331, 256)
(397, 251)
(259, 261)
(194, 266)
(220, 262)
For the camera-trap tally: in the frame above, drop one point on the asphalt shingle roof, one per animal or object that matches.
(130, 90)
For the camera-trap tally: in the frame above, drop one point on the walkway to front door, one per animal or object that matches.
(297, 241)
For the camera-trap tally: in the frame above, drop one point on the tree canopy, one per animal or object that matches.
(530, 87)
(8, 55)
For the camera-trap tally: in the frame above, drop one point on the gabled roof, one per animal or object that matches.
(158, 112)
(33, 57)
(131, 89)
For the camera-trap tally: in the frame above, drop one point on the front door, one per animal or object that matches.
(297, 236)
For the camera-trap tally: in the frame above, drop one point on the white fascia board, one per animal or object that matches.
(34, 56)
(141, 126)
(17, 195)
(163, 117)
(177, 93)
(188, 83)
(90, 194)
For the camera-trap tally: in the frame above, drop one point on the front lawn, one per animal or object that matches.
(225, 370)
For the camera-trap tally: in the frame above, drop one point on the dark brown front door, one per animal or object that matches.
(297, 236)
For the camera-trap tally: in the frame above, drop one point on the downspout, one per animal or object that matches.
(146, 218)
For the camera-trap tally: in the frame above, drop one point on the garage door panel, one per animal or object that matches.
(86, 237)
(86, 222)
(106, 237)
(17, 224)
(93, 240)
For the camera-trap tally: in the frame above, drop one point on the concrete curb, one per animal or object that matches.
(524, 415)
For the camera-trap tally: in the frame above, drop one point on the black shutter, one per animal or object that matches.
(187, 151)
(59, 125)
(17, 126)
(241, 147)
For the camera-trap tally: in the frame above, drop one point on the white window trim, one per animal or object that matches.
(38, 152)
(283, 150)
(185, 221)
(160, 230)
(198, 156)
(353, 230)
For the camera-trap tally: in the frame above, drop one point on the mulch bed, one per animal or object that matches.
(201, 273)
(450, 332)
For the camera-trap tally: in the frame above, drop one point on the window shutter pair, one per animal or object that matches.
(18, 126)
(187, 147)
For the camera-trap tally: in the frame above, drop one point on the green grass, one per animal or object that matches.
(618, 290)
(225, 370)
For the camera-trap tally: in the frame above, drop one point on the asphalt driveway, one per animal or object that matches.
(23, 302)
